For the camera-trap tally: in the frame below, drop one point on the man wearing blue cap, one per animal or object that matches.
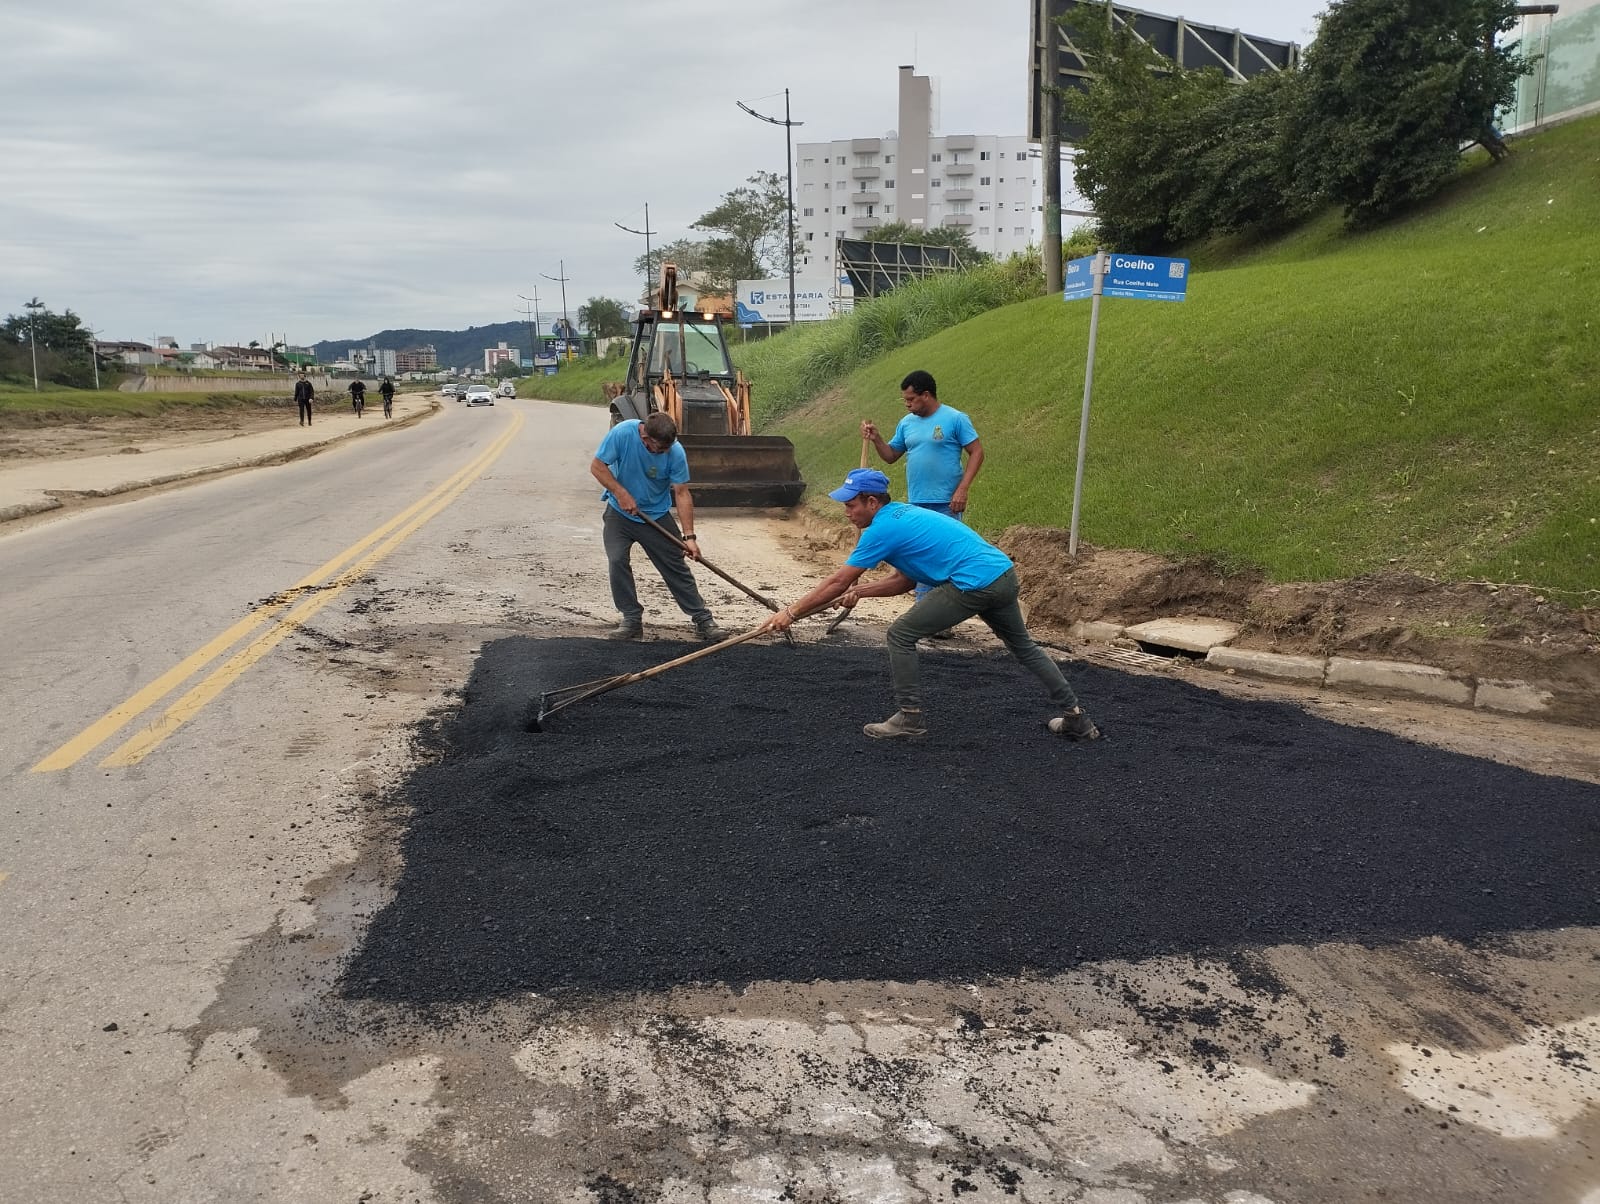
(970, 577)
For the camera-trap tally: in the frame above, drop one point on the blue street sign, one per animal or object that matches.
(1079, 279)
(1147, 276)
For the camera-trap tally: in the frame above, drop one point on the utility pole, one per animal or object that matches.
(1050, 152)
(536, 319)
(647, 232)
(566, 323)
(788, 144)
(530, 315)
(33, 307)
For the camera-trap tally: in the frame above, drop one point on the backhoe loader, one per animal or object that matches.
(679, 365)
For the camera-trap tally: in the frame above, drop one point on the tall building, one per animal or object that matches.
(987, 185)
(417, 359)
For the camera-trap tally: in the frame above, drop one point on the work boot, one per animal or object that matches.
(905, 725)
(626, 631)
(1074, 725)
(708, 631)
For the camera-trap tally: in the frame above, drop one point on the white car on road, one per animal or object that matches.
(480, 395)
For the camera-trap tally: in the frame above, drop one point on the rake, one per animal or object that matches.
(552, 701)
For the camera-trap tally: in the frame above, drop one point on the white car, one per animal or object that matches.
(508, 389)
(450, 390)
(480, 395)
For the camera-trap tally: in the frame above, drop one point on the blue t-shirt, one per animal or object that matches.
(932, 448)
(929, 547)
(648, 475)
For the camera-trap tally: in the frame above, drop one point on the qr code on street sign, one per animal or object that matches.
(1175, 270)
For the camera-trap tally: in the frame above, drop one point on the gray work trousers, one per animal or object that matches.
(945, 606)
(620, 534)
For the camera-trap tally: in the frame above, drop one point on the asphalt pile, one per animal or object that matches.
(728, 822)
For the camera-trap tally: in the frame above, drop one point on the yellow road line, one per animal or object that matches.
(126, 712)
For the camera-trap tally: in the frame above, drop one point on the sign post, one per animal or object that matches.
(1113, 275)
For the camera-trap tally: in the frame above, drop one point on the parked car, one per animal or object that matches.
(480, 395)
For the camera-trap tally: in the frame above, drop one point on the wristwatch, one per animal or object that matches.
(690, 535)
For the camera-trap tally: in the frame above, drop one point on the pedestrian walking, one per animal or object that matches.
(358, 395)
(386, 391)
(304, 395)
(932, 437)
(643, 470)
(969, 575)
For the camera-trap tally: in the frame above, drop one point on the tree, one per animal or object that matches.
(754, 223)
(689, 255)
(62, 344)
(1134, 164)
(1393, 91)
(603, 317)
(507, 369)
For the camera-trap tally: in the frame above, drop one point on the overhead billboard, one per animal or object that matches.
(1055, 60)
(759, 301)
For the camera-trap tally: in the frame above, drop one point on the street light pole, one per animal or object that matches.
(533, 323)
(33, 307)
(788, 144)
(566, 323)
(647, 232)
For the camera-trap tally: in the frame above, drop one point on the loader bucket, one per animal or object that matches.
(742, 470)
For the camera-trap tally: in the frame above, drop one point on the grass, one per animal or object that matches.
(578, 381)
(1418, 397)
(30, 408)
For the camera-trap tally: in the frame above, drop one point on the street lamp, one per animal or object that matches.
(788, 143)
(533, 331)
(647, 232)
(33, 307)
(566, 324)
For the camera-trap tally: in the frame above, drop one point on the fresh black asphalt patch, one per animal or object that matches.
(728, 822)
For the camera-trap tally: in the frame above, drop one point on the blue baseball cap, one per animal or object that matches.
(860, 480)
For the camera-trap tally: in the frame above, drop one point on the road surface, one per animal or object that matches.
(217, 697)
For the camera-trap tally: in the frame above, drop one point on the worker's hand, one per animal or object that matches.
(869, 429)
(624, 499)
(780, 622)
(847, 600)
(958, 500)
(691, 549)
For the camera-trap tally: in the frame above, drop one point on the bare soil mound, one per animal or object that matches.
(1483, 629)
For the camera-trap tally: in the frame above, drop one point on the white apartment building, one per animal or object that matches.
(986, 184)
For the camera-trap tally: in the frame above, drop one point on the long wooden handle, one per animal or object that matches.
(728, 577)
(866, 446)
(656, 670)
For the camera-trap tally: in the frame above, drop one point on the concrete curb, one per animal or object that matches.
(57, 498)
(1348, 674)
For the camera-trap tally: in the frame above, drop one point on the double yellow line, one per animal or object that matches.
(324, 585)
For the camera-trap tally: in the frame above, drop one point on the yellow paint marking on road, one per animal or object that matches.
(3, 877)
(120, 716)
(140, 745)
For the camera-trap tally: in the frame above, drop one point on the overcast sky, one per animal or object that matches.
(217, 170)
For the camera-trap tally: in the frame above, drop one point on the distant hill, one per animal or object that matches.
(456, 348)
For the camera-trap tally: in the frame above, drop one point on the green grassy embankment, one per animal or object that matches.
(578, 381)
(1425, 396)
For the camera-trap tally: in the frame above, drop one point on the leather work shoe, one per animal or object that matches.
(902, 725)
(1074, 726)
(626, 631)
(710, 632)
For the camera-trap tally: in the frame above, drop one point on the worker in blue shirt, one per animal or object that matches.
(970, 576)
(642, 468)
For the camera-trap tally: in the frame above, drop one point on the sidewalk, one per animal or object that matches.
(49, 484)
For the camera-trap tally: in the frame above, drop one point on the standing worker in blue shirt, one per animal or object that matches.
(970, 576)
(932, 437)
(643, 470)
